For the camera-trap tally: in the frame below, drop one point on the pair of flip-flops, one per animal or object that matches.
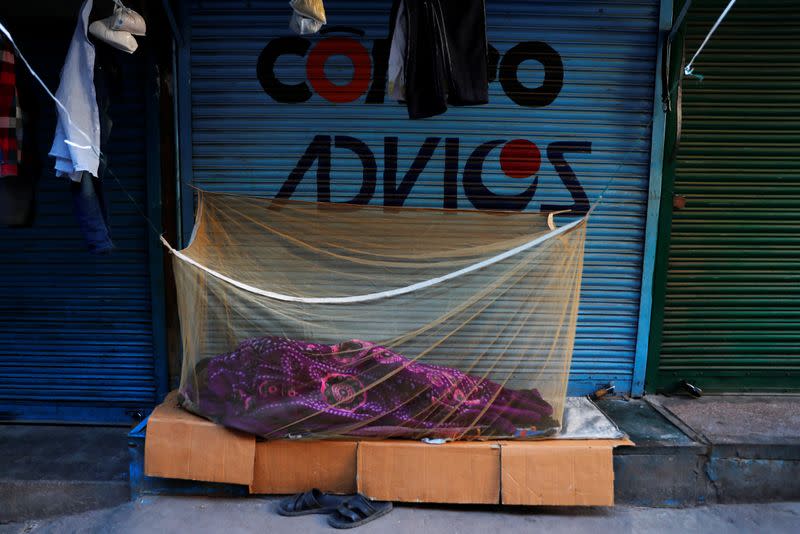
(346, 511)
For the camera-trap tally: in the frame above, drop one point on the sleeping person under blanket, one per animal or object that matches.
(277, 387)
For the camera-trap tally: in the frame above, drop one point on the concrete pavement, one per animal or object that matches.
(234, 516)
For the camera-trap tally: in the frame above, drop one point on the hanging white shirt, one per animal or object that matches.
(76, 145)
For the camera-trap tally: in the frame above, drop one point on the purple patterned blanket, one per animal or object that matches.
(274, 387)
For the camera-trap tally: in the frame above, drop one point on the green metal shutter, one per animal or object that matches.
(732, 313)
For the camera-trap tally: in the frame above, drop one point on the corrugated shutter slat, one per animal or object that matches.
(244, 141)
(76, 337)
(732, 315)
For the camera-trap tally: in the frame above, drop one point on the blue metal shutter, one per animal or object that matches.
(243, 140)
(76, 338)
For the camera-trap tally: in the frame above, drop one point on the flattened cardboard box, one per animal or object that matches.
(548, 472)
(410, 471)
(182, 445)
(179, 444)
(295, 466)
(558, 472)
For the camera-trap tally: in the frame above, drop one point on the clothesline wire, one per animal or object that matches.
(137, 205)
(610, 181)
(689, 69)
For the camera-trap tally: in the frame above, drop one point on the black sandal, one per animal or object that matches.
(358, 510)
(310, 502)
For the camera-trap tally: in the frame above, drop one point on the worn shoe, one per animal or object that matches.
(120, 40)
(358, 510)
(127, 20)
(311, 502)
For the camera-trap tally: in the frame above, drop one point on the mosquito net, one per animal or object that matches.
(329, 320)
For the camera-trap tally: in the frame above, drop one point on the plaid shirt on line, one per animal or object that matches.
(10, 114)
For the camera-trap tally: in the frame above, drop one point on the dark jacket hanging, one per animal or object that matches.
(445, 55)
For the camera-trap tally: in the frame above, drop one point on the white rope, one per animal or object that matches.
(381, 294)
(688, 70)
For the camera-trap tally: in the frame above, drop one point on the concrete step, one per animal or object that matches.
(721, 449)
(51, 470)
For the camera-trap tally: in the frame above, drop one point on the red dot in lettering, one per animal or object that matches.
(362, 69)
(520, 158)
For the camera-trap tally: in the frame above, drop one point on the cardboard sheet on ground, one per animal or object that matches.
(575, 469)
